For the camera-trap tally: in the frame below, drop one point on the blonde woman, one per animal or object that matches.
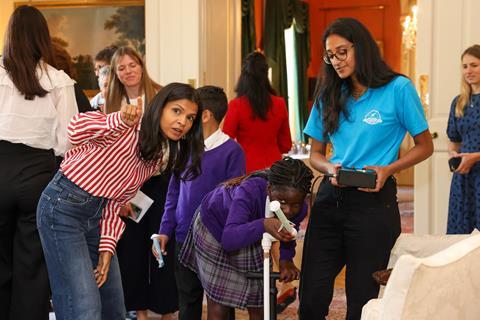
(129, 80)
(464, 134)
(145, 286)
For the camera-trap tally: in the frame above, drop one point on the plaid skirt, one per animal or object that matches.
(223, 274)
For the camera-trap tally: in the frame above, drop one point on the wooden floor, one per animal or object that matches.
(340, 280)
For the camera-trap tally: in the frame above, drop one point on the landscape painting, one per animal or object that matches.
(85, 27)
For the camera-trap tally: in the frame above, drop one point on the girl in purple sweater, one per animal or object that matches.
(223, 242)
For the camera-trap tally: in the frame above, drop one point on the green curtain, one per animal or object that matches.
(248, 27)
(277, 19)
(279, 15)
(302, 54)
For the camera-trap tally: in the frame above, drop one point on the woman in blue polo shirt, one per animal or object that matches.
(364, 109)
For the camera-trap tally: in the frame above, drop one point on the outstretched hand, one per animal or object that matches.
(131, 114)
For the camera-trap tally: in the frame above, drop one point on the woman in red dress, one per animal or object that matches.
(257, 118)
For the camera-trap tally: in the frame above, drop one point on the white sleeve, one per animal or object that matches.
(66, 106)
(94, 100)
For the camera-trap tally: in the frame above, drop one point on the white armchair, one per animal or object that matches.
(445, 285)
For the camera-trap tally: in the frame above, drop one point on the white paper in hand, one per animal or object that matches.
(140, 204)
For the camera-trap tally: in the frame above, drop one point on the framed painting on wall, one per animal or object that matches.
(84, 27)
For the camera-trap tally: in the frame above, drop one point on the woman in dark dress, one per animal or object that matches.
(464, 133)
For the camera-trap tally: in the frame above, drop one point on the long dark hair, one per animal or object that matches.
(152, 138)
(106, 54)
(283, 173)
(63, 60)
(26, 42)
(254, 84)
(370, 71)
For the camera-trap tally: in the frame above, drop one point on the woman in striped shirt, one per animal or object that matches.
(141, 277)
(113, 155)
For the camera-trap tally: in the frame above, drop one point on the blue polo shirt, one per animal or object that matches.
(375, 126)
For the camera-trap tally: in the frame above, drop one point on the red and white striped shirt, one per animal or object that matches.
(105, 162)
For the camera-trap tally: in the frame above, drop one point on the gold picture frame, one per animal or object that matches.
(84, 27)
(80, 3)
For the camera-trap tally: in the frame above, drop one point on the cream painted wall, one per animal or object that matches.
(194, 41)
(220, 44)
(172, 38)
(6, 9)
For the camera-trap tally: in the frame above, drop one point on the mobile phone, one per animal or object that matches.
(453, 163)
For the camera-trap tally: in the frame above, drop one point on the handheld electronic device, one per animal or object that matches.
(453, 163)
(361, 178)
(287, 224)
(156, 244)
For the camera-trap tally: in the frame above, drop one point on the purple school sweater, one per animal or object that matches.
(234, 216)
(183, 197)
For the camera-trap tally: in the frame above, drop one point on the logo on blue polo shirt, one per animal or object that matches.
(373, 118)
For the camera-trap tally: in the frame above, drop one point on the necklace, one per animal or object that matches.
(473, 99)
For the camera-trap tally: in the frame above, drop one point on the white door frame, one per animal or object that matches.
(220, 43)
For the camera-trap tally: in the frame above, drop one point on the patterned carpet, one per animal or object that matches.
(337, 308)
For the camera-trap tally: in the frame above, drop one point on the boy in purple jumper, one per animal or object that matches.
(223, 243)
(222, 160)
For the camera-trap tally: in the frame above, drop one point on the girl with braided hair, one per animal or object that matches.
(223, 242)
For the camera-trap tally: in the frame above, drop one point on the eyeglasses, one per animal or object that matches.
(340, 55)
(99, 66)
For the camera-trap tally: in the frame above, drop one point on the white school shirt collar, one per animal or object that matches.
(215, 139)
(268, 213)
